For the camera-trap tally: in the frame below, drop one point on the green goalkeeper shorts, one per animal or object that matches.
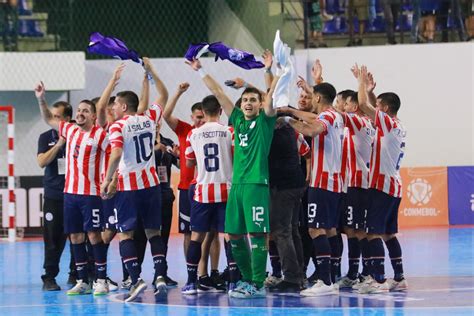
(247, 209)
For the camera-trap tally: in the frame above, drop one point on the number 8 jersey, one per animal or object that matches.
(135, 134)
(211, 145)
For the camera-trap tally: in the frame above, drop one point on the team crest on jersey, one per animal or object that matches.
(252, 125)
(153, 107)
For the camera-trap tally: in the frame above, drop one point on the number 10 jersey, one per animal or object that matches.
(136, 134)
(211, 145)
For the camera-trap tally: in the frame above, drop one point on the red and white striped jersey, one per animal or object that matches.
(387, 154)
(104, 164)
(136, 134)
(326, 153)
(84, 151)
(211, 145)
(360, 138)
(344, 160)
(303, 147)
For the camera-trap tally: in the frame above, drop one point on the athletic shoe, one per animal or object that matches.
(347, 282)
(80, 288)
(231, 286)
(374, 287)
(50, 285)
(272, 281)
(205, 285)
(397, 286)
(160, 286)
(320, 288)
(189, 289)
(248, 291)
(135, 290)
(285, 287)
(216, 278)
(225, 274)
(363, 280)
(100, 287)
(170, 282)
(237, 287)
(126, 284)
(113, 286)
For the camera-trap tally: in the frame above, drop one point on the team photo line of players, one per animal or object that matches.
(269, 190)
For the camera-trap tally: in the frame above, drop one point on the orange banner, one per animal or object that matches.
(425, 197)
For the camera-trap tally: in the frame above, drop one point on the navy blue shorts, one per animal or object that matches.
(207, 216)
(355, 213)
(342, 209)
(184, 206)
(382, 214)
(323, 208)
(140, 205)
(82, 213)
(110, 214)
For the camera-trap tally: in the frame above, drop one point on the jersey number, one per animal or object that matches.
(312, 212)
(243, 140)
(402, 146)
(141, 145)
(211, 152)
(257, 213)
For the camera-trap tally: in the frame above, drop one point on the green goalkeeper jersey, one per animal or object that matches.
(253, 139)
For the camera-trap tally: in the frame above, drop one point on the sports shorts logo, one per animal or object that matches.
(419, 192)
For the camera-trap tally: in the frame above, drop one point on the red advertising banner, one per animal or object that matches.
(425, 197)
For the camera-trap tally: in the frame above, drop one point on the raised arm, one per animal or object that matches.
(40, 92)
(268, 102)
(371, 84)
(214, 87)
(268, 61)
(317, 72)
(159, 85)
(144, 95)
(101, 105)
(171, 120)
(362, 95)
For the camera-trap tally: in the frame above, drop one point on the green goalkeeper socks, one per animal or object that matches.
(241, 253)
(259, 259)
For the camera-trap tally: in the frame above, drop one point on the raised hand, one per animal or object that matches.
(117, 73)
(40, 90)
(371, 84)
(238, 83)
(302, 84)
(195, 64)
(267, 59)
(355, 71)
(183, 87)
(317, 71)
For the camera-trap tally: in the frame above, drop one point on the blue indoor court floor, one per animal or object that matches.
(438, 262)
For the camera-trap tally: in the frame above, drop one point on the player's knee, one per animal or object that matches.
(315, 232)
(198, 236)
(77, 238)
(94, 237)
(150, 233)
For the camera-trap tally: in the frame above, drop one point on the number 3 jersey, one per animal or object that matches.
(387, 153)
(211, 145)
(135, 134)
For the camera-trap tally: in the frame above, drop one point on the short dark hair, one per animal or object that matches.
(326, 90)
(67, 108)
(111, 101)
(92, 104)
(354, 97)
(210, 105)
(252, 90)
(95, 100)
(392, 100)
(345, 93)
(130, 98)
(196, 106)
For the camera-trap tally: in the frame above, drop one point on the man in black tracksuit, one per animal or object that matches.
(51, 156)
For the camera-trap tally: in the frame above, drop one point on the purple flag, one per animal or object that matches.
(110, 46)
(241, 58)
(196, 50)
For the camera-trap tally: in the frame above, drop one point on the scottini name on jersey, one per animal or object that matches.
(211, 134)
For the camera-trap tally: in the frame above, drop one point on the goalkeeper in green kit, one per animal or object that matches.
(247, 209)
